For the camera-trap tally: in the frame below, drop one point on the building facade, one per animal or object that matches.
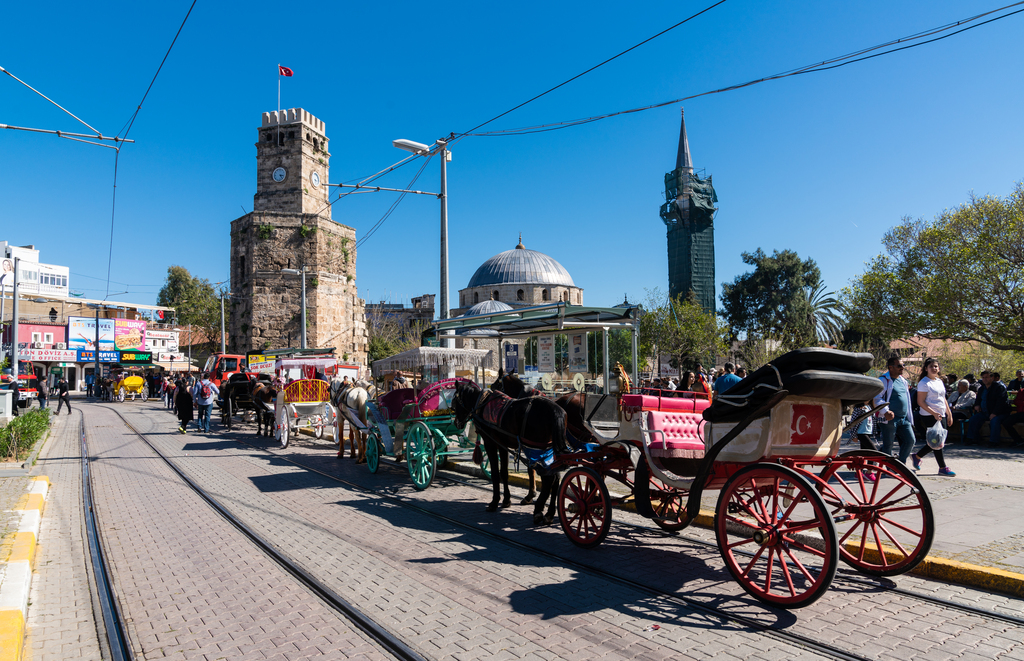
(290, 228)
(688, 214)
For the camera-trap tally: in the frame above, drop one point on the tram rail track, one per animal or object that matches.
(843, 575)
(793, 638)
(367, 625)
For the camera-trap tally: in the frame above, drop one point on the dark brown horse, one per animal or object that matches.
(263, 396)
(505, 424)
(574, 404)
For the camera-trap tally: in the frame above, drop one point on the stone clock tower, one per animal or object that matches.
(291, 228)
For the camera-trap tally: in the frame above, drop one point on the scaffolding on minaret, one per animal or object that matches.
(688, 214)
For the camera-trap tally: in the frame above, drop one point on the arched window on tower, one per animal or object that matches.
(545, 295)
(241, 266)
(564, 297)
(520, 295)
(494, 295)
(476, 297)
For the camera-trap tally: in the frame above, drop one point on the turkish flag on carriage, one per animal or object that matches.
(808, 423)
(285, 71)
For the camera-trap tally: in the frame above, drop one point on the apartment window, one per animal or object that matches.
(47, 338)
(37, 337)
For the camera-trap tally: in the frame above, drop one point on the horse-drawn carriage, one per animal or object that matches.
(790, 506)
(304, 402)
(247, 395)
(129, 384)
(418, 424)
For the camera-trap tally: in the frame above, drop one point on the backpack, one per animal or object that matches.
(204, 390)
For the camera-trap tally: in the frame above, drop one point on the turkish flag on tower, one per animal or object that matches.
(285, 71)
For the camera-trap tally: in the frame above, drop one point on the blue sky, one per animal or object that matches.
(821, 164)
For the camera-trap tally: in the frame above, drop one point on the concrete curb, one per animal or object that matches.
(943, 569)
(16, 570)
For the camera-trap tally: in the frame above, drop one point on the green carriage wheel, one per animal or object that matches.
(440, 449)
(372, 450)
(419, 453)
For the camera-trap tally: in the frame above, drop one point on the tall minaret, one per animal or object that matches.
(688, 214)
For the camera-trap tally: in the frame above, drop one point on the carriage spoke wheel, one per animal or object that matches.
(284, 434)
(776, 535)
(145, 394)
(419, 455)
(121, 394)
(885, 525)
(318, 427)
(373, 448)
(584, 507)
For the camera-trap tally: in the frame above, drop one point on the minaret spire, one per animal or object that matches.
(683, 155)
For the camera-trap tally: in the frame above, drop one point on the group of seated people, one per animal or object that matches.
(988, 402)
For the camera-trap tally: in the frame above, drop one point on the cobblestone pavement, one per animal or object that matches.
(190, 586)
(11, 489)
(60, 615)
(454, 593)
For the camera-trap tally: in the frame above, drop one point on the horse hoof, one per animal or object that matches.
(527, 500)
(493, 507)
(505, 504)
(549, 519)
(538, 520)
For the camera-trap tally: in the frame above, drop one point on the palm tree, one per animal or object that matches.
(824, 314)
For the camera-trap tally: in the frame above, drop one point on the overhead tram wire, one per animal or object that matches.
(834, 63)
(127, 128)
(596, 66)
(394, 204)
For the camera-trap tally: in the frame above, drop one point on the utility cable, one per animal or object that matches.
(851, 58)
(80, 120)
(596, 66)
(394, 205)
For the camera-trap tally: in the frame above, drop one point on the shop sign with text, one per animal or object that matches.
(105, 356)
(135, 357)
(49, 355)
(129, 334)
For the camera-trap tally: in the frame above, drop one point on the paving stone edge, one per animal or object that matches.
(16, 569)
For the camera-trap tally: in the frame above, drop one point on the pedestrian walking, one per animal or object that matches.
(931, 397)
(42, 396)
(183, 405)
(89, 380)
(894, 418)
(204, 393)
(62, 395)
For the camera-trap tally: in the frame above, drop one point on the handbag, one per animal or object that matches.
(936, 436)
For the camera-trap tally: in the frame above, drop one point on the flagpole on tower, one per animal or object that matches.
(278, 103)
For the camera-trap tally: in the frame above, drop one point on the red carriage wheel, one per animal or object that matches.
(878, 503)
(776, 535)
(667, 503)
(584, 507)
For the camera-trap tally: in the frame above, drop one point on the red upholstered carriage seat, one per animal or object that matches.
(688, 403)
(681, 434)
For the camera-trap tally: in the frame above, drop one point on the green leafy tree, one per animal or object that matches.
(958, 277)
(388, 335)
(195, 303)
(772, 300)
(682, 329)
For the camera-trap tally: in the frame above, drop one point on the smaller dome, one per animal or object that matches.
(487, 307)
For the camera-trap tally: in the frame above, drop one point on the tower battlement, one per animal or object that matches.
(293, 116)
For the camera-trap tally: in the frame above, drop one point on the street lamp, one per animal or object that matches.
(446, 155)
(301, 272)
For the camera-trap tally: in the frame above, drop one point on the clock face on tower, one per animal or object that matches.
(280, 174)
(315, 178)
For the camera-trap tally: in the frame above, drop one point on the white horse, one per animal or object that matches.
(351, 403)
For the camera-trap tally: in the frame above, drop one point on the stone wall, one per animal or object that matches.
(266, 311)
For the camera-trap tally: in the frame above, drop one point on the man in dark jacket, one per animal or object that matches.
(183, 405)
(991, 408)
(62, 395)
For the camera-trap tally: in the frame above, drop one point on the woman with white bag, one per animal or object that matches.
(935, 415)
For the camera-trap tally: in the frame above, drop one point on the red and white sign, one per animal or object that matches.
(49, 355)
(808, 423)
(171, 358)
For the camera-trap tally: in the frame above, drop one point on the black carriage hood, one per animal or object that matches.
(811, 372)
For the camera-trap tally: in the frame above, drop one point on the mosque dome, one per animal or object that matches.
(520, 266)
(487, 307)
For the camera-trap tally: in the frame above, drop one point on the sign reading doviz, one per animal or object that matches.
(546, 353)
(511, 357)
(129, 334)
(82, 333)
(578, 355)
